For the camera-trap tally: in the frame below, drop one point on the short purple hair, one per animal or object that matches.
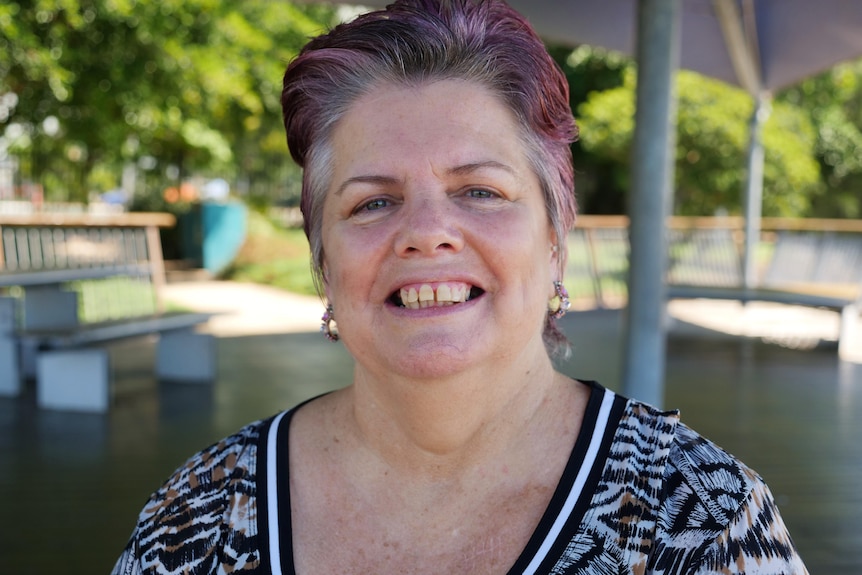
(412, 42)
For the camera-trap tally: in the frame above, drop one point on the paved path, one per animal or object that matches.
(253, 309)
(246, 308)
(794, 326)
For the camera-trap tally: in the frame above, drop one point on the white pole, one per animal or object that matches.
(653, 175)
(754, 189)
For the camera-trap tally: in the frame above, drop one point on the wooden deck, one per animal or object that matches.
(73, 484)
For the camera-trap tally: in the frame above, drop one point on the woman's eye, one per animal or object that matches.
(480, 193)
(374, 204)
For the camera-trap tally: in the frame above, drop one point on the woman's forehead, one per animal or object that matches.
(450, 122)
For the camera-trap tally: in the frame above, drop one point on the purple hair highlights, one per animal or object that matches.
(416, 41)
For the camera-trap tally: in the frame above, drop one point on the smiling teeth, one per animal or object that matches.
(426, 297)
(426, 293)
(444, 293)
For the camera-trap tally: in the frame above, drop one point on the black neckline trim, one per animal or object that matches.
(555, 506)
(282, 461)
(567, 482)
(285, 526)
(261, 496)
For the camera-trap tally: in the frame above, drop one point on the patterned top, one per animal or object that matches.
(641, 493)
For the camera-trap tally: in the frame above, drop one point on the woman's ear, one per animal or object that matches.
(559, 255)
(324, 282)
(554, 269)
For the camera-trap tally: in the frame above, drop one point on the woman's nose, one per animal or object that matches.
(429, 226)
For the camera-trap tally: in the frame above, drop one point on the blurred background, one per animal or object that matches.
(144, 106)
(124, 106)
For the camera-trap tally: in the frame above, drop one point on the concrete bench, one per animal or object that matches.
(47, 330)
(818, 269)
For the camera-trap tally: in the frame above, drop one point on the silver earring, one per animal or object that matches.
(560, 303)
(328, 327)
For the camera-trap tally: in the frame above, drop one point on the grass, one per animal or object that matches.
(275, 256)
(113, 298)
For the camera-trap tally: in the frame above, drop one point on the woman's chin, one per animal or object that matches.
(434, 357)
(432, 343)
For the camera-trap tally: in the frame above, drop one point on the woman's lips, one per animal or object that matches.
(426, 295)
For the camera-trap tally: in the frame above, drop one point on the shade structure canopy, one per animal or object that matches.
(755, 44)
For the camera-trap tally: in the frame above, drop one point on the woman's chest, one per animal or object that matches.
(458, 534)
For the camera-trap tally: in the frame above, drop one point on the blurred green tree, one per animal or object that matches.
(712, 137)
(177, 86)
(600, 186)
(833, 101)
(182, 87)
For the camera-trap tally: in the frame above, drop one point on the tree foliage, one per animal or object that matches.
(712, 139)
(833, 101)
(181, 87)
(187, 85)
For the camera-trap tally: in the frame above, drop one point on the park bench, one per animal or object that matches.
(75, 282)
(811, 263)
(804, 262)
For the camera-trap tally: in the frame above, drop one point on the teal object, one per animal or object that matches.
(213, 233)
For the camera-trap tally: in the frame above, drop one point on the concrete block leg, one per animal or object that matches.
(849, 342)
(8, 313)
(50, 307)
(10, 374)
(28, 351)
(73, 380)
(185, 355)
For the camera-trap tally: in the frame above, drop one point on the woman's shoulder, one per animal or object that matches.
(711, 506)
(227, 461)
(679, 450)
(688, 462)
(208, 504)
(704, 477)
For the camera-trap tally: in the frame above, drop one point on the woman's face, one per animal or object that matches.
(438, 251)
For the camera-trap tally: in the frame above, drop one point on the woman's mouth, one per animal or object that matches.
(434, 295)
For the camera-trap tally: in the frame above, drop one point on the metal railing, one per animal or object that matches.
(821, 256)
(113, 261)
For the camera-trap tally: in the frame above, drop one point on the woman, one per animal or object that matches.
(437, 196)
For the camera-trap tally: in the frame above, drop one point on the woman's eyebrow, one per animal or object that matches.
(475, 166)
(461, 170)
(367, 179)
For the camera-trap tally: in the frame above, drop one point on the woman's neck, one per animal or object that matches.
(458, 421)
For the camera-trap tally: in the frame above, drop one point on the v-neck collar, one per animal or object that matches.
(561, 519)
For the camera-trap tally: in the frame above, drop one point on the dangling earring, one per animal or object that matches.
(559, 304)
(329, 328)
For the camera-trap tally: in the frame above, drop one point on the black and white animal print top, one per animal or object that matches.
(641, 493)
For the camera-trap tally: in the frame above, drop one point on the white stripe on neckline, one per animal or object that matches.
(272, 495)
(578, 486)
